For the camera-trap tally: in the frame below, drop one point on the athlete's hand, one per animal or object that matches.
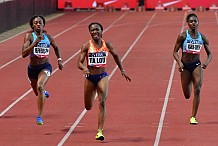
(203, 65)
(125, 75)
(38, 39)
(181, 66)
(60, 65)
(86, 72)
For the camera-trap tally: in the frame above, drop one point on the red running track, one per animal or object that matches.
(149, 111)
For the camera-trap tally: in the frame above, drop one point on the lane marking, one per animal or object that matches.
(27, 92)
(54, 37)
(111, 74)
(48, 19)
(163, 113)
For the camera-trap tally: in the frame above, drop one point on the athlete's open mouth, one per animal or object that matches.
(95, 35)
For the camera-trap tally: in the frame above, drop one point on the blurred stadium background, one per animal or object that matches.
(18, 12)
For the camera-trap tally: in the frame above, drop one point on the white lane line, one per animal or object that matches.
(27, 92)
(112, 73)
(6, 64)
(48, 19)
(163, 113)
(73, 26)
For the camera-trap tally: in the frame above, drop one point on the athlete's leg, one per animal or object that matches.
(42, 80)
(197, 83)
(32, 76)
(89, 94)
(186, 81)
(33, 83)
(102, 91)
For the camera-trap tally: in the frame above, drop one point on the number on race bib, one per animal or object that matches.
(39, 51)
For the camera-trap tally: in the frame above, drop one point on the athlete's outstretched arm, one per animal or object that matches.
(208, 51)
(117, 60)
(57, 51)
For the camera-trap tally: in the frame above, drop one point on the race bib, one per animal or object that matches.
(97, 59)
(41, 51)
(193, 47)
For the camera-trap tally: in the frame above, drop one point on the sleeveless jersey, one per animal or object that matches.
(97, 57)
(191, 45)
(42, 48)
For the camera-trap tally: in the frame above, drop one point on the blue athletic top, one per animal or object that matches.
(191, 45)
(42, 48)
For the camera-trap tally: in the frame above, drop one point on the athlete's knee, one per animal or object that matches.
(40, 88)
(187, 91)
(187, 96)
(88, 107)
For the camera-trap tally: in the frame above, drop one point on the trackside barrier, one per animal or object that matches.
(18, 12)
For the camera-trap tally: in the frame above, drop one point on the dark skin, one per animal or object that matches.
(102, 88)
(28, 45)
(188, 79)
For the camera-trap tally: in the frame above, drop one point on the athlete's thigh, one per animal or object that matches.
(33, 83)
(186, 80)
(89, 91)
(102, 88)
(43, 77)
(186, 77)
(197, 76)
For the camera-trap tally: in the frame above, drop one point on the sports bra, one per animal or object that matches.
(191, 45)
(42, 48)
(97, 57)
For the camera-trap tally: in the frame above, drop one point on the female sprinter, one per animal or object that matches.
(190, 66)
(95, 51)
(36, 45)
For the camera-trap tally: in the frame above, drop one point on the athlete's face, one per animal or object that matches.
(38, 24)
(95, 31)
(193, 23)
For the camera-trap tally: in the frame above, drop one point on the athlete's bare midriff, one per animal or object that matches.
(96, 70)
(35, 61)
(188, 57)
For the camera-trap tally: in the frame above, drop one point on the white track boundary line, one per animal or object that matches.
(163, 113)
(6, 64)
(27, 92)
(54, 37)
(52, 17)
(112, 73)
(13, 36)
